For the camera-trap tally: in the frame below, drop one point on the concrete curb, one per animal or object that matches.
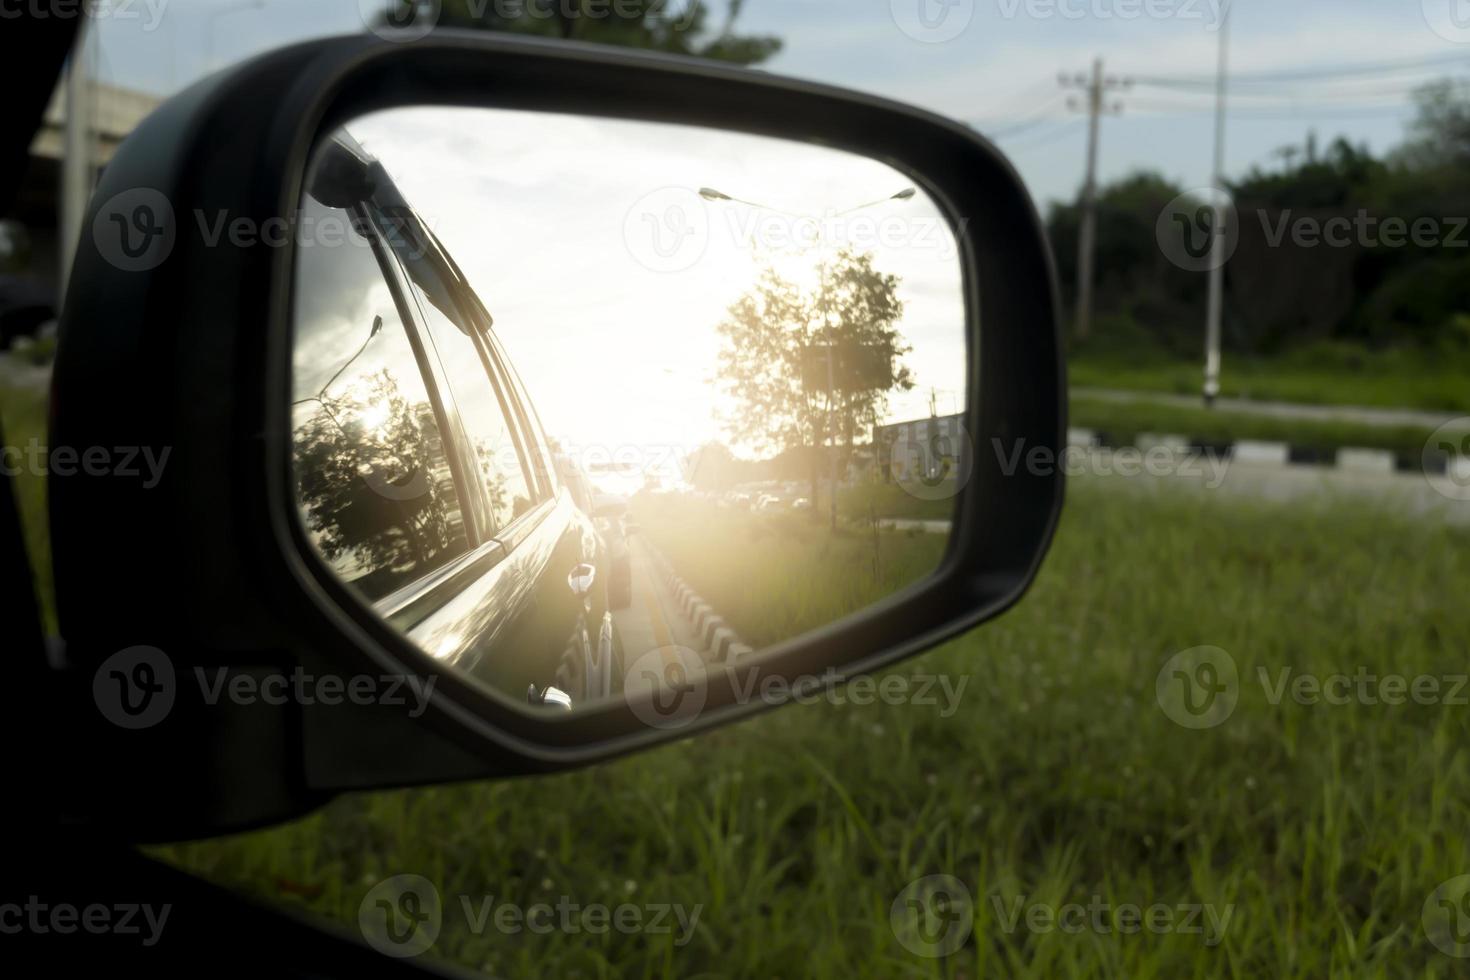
(721, 643)
(1347, 459)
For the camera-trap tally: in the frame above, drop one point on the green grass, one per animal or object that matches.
(891, 500)
(1125, 420)
(1323, 374)
(23, 411)
(1059, 778)
(770, 575)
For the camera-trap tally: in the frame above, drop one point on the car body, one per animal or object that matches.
(422, 471)
(609, 513)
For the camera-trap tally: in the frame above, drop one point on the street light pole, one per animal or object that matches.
(76, 152)
(831, 391)
(1087, 235)
(1217, 247)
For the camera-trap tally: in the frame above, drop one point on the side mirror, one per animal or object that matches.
(580, 581)
(362, 395)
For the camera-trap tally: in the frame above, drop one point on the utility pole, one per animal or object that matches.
(76, 154)
(1217, 251)
(831, 393)
(1095, 106)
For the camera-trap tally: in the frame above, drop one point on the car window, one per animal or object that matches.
(374, 481)
(536, 434)
(483, 408)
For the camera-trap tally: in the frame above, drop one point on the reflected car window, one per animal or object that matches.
(374, 481)
(482, 409)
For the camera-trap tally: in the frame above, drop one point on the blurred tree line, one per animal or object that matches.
(1282, 293)
(684, 27)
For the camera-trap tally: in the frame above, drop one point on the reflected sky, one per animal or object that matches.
(559, 221)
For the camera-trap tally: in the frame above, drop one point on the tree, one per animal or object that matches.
(1439, 136)
(672, 26)
(770, 335)
(372, 481)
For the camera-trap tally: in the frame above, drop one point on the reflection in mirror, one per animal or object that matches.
(580, 402)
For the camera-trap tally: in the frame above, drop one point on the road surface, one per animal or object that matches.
(653, 620)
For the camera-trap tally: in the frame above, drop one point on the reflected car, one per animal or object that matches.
(609, 512)
(423, 477)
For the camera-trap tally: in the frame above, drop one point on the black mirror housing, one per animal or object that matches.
(180, 341)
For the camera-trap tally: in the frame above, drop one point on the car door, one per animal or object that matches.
(515, 625)
(379, 482)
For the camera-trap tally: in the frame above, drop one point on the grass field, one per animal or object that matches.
(24, 412)
(1124, 421)
(1322, 829)
(1324, 374)
(771, 575)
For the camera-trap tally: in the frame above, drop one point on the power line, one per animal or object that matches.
(1029, 120)
(1067, 127)
(1275, 112)
(1361, 70)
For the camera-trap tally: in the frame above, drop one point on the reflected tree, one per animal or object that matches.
(372, 481)
(811, 366)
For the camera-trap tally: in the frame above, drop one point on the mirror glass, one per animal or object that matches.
(579, 401)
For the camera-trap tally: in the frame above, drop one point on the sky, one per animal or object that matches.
(607, 274)
(994, 63)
